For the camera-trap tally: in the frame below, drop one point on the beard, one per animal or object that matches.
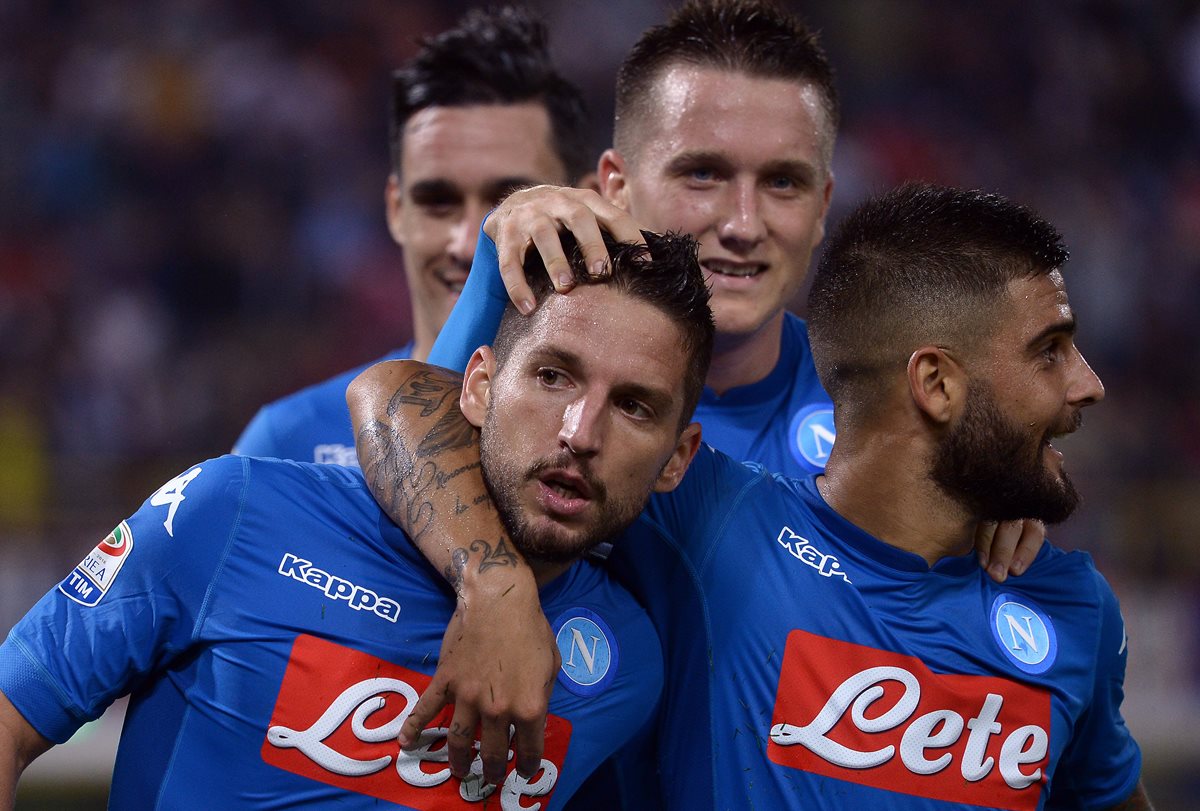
(996, 469)
(555, 542)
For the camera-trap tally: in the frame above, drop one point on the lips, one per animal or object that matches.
(452, 278)
(737, 270)
(563, 493)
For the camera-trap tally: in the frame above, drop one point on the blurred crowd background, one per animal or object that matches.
(191, 224)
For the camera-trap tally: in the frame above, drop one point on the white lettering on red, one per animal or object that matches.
(357, 703)
(938, 729)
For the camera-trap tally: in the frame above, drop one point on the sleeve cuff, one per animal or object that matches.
(32, 691)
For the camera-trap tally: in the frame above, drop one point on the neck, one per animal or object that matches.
(739, 360)
(880, 484)
(423, 339)
(544, 573)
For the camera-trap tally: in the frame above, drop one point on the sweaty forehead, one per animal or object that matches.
(612, 335)
(694, 108)
(477, 142)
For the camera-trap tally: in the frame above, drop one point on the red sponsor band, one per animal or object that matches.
(886, 720)
(336, 720)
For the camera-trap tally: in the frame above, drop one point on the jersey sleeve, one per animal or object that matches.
(1103, 763)
(258, 438)
(476, 315)
(132, 605)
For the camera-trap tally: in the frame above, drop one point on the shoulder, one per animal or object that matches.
(1066, 590)
(292, 426)
(1056, 567)
(233, 481)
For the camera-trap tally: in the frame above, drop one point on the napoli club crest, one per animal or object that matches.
(1024, 633)
(589, 652)
(811, 436)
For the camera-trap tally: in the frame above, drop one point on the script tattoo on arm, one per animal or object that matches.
(412, 479)
(490, 556)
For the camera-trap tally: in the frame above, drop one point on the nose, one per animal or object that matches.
(742, 225)
(1087, 388)
(582, 427)
(465, 233)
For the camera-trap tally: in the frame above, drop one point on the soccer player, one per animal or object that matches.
(478, 112)
(830, 640)
(275, 629)
(726, 118)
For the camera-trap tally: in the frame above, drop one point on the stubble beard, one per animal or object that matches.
(555, 543)
(986, 463)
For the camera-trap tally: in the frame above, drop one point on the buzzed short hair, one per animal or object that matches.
(664, 273)
(492, 56)
(753, 37)
(920, 265)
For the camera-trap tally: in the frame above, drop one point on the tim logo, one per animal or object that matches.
(1024, 633)
(589, 652)
(336, 720)
(812, 434)
(92, 578)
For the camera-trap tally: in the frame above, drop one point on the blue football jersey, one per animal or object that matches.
(310, 425)
(811, 665)
(275, 630)
(784, 421)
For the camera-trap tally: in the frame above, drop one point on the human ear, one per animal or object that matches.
(613, 184)
(827, 195)
(681, 456)
(937, 383)
(477, 386)
(393, 200)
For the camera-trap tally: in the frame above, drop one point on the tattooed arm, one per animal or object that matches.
(499, 659)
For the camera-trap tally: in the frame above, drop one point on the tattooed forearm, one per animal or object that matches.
(429, 480)
(489, 557)
(399, 477)
(501, 555)
(397, 482)
(426, 390)
(454, 572)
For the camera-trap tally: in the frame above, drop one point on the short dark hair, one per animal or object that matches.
(492, 56)
(919, 265)
(754, 37)
(665, 273)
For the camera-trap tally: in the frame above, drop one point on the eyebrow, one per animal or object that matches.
(686, 160)
(436, 188)
(1066, 327)
(659, 399)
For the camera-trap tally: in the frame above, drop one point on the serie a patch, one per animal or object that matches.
(94, 576)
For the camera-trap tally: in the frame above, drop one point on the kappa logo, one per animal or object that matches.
(803, 550)
(589, 652)
(171, 496)
(338, 588)
(335, 454)
(1025, 634)
(812, 434)
(94, 576)
(336, 720)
